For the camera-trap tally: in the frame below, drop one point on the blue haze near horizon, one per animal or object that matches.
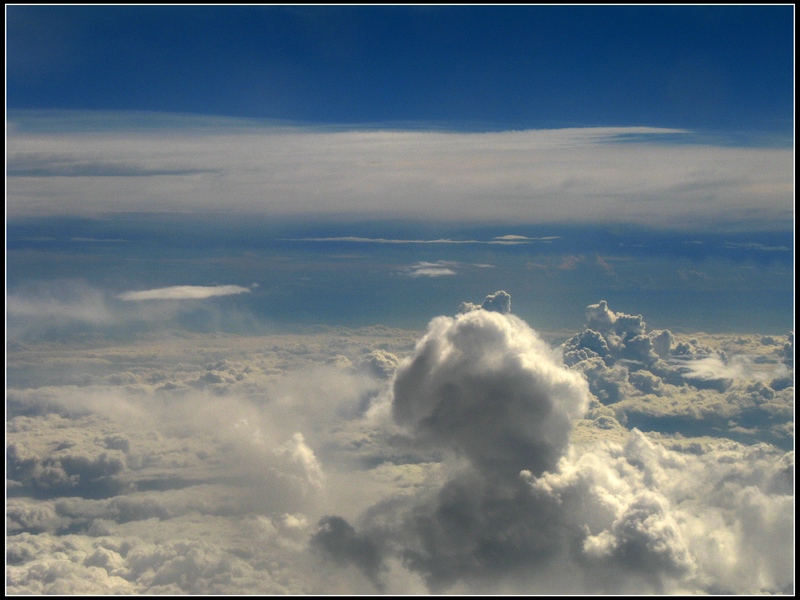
(733, 282)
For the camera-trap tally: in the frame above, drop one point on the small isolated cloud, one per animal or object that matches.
(441, 268)
(604, 264)
(714, 367)
(570, 263)
(184, 292)
(499, 302)
(524, 238)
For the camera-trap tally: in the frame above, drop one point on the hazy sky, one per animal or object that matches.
(400, 299)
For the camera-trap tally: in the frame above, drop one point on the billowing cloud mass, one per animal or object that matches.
(484, 385)
(184, 292)
(475, 458)
(522, 510)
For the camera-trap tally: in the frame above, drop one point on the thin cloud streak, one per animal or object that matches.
(364, 240)
(520, 238)
(184, 292)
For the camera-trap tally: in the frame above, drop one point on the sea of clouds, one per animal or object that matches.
(478, 456)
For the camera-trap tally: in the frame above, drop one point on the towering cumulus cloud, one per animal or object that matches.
(484, 385)
(483, 390)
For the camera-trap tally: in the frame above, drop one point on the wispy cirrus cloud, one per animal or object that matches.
(184, 292)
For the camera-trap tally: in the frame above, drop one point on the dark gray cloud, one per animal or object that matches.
(337, 539)
(485, 386)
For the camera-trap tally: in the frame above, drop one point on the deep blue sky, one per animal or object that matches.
(712, 203)
(705, 68)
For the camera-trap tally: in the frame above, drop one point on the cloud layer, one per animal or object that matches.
(475, 458)
(564, 175)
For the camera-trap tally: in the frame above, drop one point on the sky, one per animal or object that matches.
(407, 299)
(711, 69)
